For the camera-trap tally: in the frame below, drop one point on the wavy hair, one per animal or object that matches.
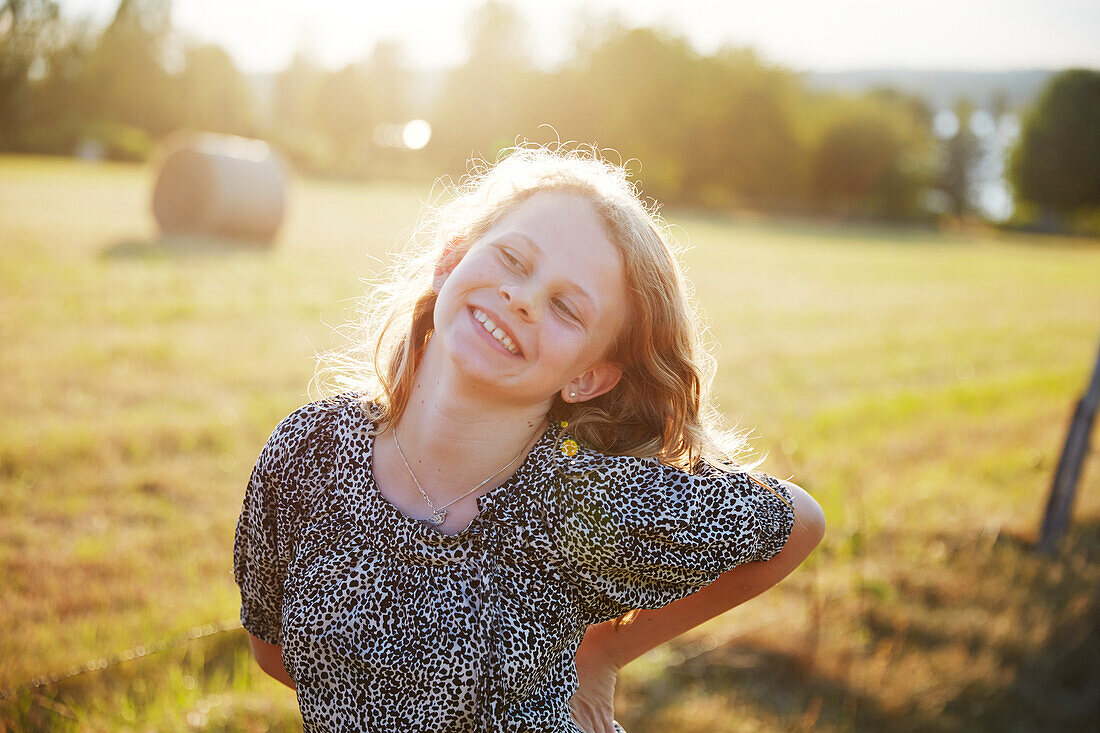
(661, 407)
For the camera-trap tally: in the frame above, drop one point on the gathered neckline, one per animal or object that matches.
(424, 528)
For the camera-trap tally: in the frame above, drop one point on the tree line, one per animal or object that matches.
(725, 130)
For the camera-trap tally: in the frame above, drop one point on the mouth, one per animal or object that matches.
(496, 331)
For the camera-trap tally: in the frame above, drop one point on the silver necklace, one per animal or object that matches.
(439, 515)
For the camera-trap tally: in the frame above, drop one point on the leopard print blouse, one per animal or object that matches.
(388, 624)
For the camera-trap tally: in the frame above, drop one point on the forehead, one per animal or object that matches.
(556, 214)
(562, 225)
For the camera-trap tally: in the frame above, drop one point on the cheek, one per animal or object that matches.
(461, 279)
(583, 348)
(442, 304)
(608, 335)
(477, 264)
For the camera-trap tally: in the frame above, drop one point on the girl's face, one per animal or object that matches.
(532, 307)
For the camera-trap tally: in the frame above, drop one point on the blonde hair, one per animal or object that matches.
(661, 407)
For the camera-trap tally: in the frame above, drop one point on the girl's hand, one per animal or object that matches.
(593, 704)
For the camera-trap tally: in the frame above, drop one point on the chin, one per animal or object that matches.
(478, 367)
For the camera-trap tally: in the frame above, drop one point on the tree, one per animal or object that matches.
(28, 29)
(124, 83)
(294, 115)
(345, 114)
(295, 98)
(1056, 163)
(214, 95)
(390, 82)
(632, 93)
(49, 120)
(739, 144)
(854, 156)
(871, 161)
(482, 107)
(961, 154)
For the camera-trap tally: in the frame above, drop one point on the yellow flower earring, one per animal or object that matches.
(569, 447)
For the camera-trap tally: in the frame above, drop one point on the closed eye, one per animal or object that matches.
(511, 260)
(562, 307)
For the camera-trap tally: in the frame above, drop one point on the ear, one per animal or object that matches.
(449, 259)
(600, 379)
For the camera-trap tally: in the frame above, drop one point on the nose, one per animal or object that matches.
(519, 299)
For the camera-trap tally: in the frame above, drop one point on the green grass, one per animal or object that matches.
(918, 383)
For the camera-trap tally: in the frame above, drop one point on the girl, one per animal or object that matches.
(519, 456)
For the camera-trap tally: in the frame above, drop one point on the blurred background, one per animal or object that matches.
(903, 114)
(893, 212)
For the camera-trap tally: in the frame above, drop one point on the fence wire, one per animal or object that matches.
(136, 652)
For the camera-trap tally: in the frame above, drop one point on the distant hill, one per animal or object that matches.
(941, 88)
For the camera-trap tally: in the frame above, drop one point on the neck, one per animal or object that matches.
(454, 433)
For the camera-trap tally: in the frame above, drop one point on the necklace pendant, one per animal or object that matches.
(438, 517)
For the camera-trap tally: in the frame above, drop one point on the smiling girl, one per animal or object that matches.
(518, 457)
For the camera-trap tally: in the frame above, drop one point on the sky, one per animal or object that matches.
(804, 35)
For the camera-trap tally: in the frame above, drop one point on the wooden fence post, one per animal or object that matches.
(1063, 488)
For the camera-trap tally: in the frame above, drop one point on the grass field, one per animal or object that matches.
(918, 383)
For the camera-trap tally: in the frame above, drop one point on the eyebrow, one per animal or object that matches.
(573, 285)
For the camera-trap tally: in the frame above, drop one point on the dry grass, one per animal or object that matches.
(918, 384)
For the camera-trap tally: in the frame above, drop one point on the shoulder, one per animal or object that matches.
(312, 428)
(593, 470)
(602, 486)
(309, 416)
(649, 493)
(573, 460)
(646, 533)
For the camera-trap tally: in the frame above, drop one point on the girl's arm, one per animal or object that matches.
(270, 659)
(605, 649)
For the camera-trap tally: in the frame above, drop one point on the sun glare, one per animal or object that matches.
(416, 134)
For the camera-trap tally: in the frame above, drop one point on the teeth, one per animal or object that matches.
(497, 332)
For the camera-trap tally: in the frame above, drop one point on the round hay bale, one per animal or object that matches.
(221, 186)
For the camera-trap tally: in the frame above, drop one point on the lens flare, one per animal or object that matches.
(416, 134)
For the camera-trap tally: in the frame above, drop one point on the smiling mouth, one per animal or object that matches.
(495, 331)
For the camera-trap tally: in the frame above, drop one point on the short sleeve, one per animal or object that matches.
(639, 534)
(263, 544)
